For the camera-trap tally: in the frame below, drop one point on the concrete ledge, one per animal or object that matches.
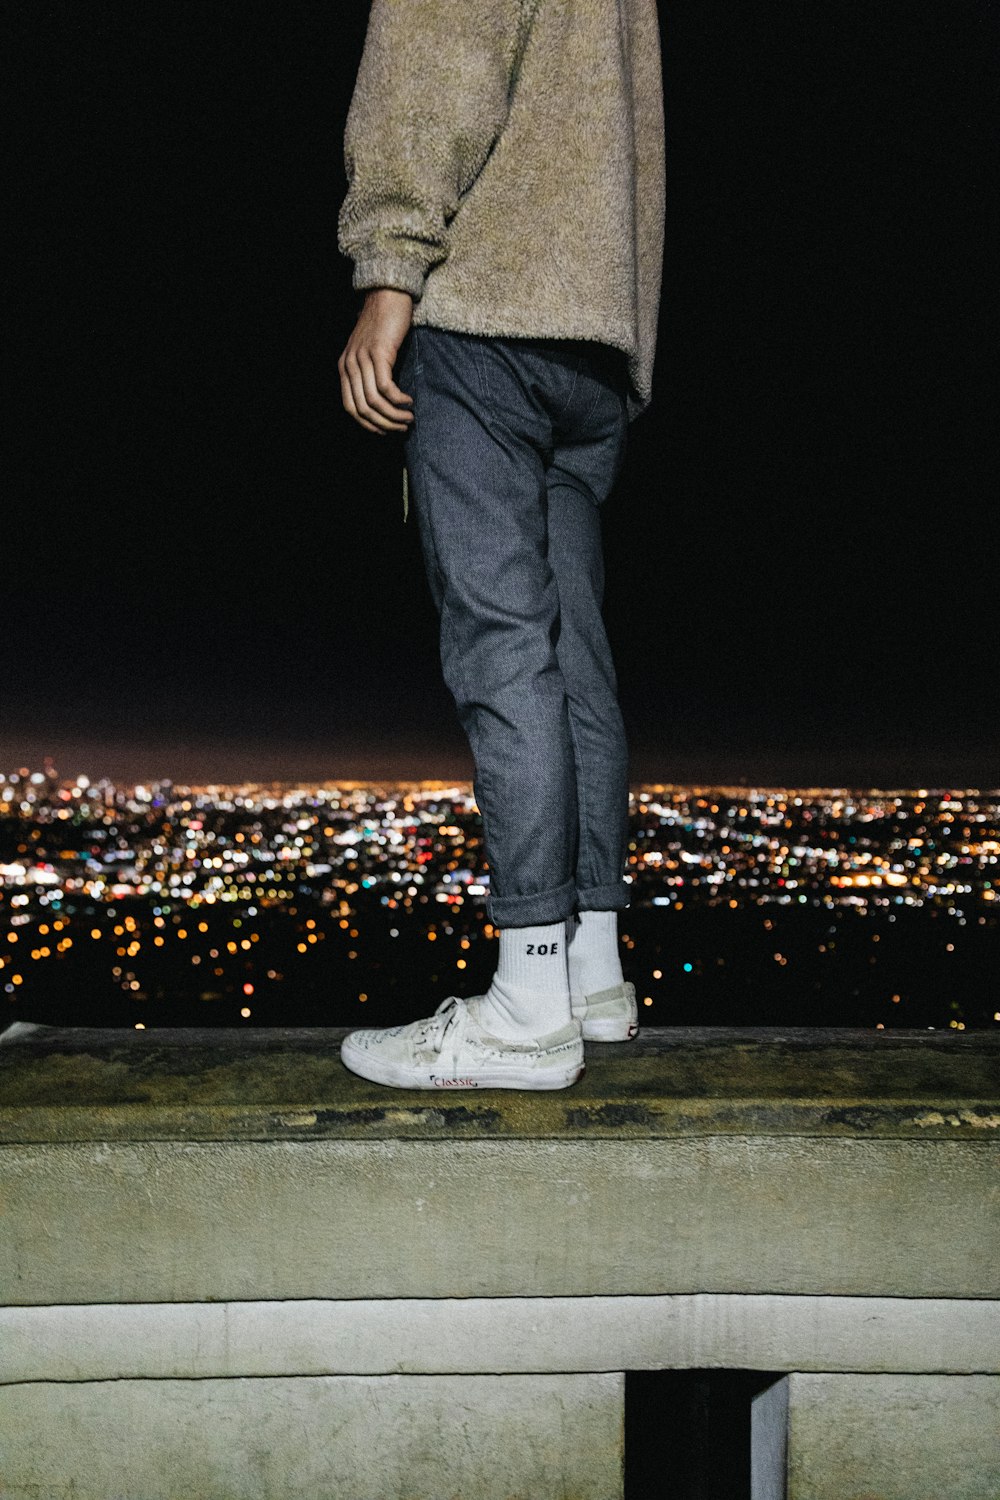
(480, 1336)
(219, 1166)
(85, 1084)
(228, 1266)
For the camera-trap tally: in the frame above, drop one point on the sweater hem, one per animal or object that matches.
(512, 326)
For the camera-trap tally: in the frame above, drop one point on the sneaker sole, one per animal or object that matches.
(609, 1031)
(395, 1076)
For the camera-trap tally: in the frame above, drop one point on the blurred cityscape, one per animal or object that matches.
(348, 903)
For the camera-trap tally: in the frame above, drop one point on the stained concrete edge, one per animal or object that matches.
(90, 1084)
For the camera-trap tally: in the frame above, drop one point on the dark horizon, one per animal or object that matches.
(236, 764)
(207, 565)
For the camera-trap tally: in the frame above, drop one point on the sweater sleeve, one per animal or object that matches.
(431, 97)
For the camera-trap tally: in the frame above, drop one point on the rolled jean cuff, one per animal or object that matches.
(531, 911)
(614, 897)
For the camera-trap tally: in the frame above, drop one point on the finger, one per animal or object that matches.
(386, 384)
(369, 418)
(350, 405)
(380, 410)
(358, 399)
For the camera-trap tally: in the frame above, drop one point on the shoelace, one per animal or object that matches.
(449, 1024)
(454, 1014)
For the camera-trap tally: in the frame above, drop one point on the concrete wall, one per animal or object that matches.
(359, 1437)
(877, 1437)
(230, 1268)
(247, 1220)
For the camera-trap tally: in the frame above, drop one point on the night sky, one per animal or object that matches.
(206, 573)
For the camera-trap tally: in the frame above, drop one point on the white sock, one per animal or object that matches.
(529, 995)
(594, 958)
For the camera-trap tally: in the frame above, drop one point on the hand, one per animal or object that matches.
(370, 394)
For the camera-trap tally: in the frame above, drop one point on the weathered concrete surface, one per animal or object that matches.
(500, 1437)
(249, 1166)
(198, 1340)
(878, 1437)
(243, 1220)
(79, 1084)
(700, 1197)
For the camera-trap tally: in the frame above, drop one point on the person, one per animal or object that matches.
(504, 213)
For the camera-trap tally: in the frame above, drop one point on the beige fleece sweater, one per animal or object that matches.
(505, 165)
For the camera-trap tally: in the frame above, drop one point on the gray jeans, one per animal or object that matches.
(514, 445)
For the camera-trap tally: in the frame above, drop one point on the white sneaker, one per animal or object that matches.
(610, 1015)
(450, 1051)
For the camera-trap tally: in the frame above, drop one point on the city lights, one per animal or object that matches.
(265, 889)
